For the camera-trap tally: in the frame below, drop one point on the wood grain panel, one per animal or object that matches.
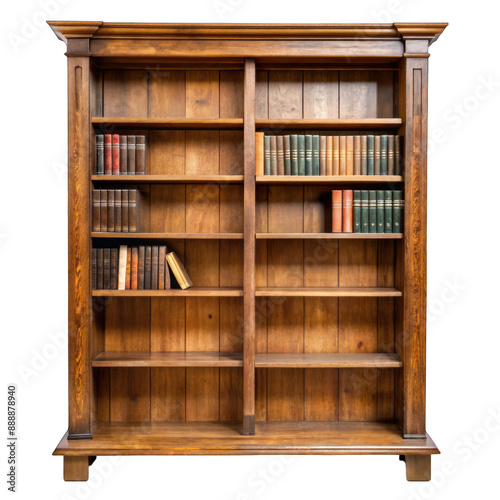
(202, 208)
(125, 93)
(202, 94)
(357, 263)
(231, 152)
(167, 93)
(231, 94)
(231, 263)
(202, 394)
(321, 94)
(231, 395)
(168, 208)
(167, 152)
(202, 152)
(285, 94)
(231, 213)
(262, 94)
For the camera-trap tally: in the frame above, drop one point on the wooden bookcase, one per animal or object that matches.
(293, 340)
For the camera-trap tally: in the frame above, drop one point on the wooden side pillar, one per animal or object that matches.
(249, 251)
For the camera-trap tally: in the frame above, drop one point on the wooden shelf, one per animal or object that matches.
(329, 236)
(327, 179)
(327, 292)
(137, 359)
(271, 438)
(173, 292)
(169, 179)
(171, 236)
(170, 123)
(328, 360)
(329, 124)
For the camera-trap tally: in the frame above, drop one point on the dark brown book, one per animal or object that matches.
(162, 254)
(133, 211)
(134, 268)
(96, 210)
(154, 267)
(100, 268)
(94, 268)
(167, 279)
(123, 155)
(128, 268)
(106, 274)
(280, 151)
(111, 210)
(118, 210)
(124, 210)
(104, 210)
(131, 154)
(147, 269)
(114, 269)
(140, 274)
(140, 154)
(322, 155)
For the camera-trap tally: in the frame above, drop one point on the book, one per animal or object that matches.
(294, 153)
(322, 155)
(140, 273)
(301, 145)
(167, 280)
(364, 155)
(398, 155)
(106, 273)
(122, 267)
(162, 260)
(94, 268)
(114, 269)
(281, 154)
(336, 155)
(154, 267)
(309, 155)
(134, 268)
(365, 223)
(370, 154)
(397, 211)
(99, 150)
(147, 268)
(104, 210)
(100, 268)
(388, 212)
(259, 153)
(315, 155)
(356, 211)
(96, 210)
(383, 155)
(357, 155)
(349, 168)
(372, 211)
(131, 154)
(128, 268)
(108, 159)
(336, 211)
(274, 156)
(347, 211)
(288, 162)
(178, 271)
(140, 155)
(124, 210)
(342, 155)
(267, 155)
(380, 212)
(133, 199)
(118, 210)
(376, 155)
(115, 155)
(329, 155)
(390, 155)
(111, 210)
(123, 155)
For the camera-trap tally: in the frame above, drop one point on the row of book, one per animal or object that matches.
(328, 154)
(367, 211)
(115, 210)
(144, 267)
(118, 154)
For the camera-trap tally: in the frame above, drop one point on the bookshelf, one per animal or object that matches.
(293, 339)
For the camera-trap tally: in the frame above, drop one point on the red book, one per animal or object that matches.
(347, 211)
(128, 268)
(116, 154)
(337, 211)
(134, 268)
(108, 162)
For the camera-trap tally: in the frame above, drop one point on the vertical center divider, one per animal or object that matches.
(249, 250)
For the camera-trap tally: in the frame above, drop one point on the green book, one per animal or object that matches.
(356, 211)
(315, 155)
(398, 155)
(301, 139)
(383, 155)
(372, 211)
(364, 212)
(274, 156)
(370, 154)
(380, 212)
(390, 155)
(388, 212)
(397, 211)
(364, 157)
(267, 155)
(288, 163)
(309, 154)
(294, 154)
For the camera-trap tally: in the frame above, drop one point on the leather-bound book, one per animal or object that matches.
(365, 222)
(349, 152)
(108, 156)
(140, 155)
(388, 211)
(116, 154)
(133, 210)
(111, 210)
(118, 210)
(370, 167)
(390, 155)
(383, 155)
(167, 280)
(104, 210)
(301, 153)
(288, 160)
(294, 153)
(357, 155)
(94, 268)
(178, 271)
(131, 154)
(106, 274)
(259, 153)
(322, 155)
(309, 154)
(125, 210)
(154, 267)
(140, 274)
(280, 148)
(315, 155)
(364, 155)
(274, 156)
(376, 155)
(380, 212)
(122, 267)
(398, 155)
(356, 211)
(397, 211)
(329, 155)
(96, 210)
(114, 269)
(336, 155)
(147, 269)
(123, 155)
(372, 211)
(100, 268)
(347, 211)
(337, 211)
(128, 268)
(267, 155)
(99, 150)
(343, 155)
(162, 256)
(134, 268)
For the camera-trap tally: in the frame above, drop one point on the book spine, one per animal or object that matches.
(140, 273)
(147, 269)
(383, 155)
(388, 212)
(132, 210)
(104, 210)
(376, 155)
(288, 160)
(154, 267)
(380, 212)
(162, 254)
(322, 155)
(94, 269)
(337, 211)
(336, 155)
(281, 154)
(114, 269)
(309, 155)
(329, 155)
(342, 155)
(111, 210)
(356, 211)
(134, 268)
(372, 211)
(124, 210)
(259, 153)
(397, 211)
(96, 210)
(140, 155)
(365, 222)
(364, 155)
(315, 155)
(267, 155)
(301, 149)
(108, 157)
(118, 210)
(99, 149)
(106, 273)
(357, 155)
(370, 148)
(349, 168)
(116, 154)
(179, 272)
(390, 155)
(398, 155)
(347, 211)
(294, 151)
(131, 154)
(122, 267)
(274, 156)
(128, 268)
(123, 155)
(168, 281)
(100, 268)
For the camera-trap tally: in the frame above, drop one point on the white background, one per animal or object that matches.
(463, 256)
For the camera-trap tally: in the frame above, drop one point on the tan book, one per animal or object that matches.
(178, 271)
(128, 268)
(357, 155)
(336, 155)
(342, 155)
(162, 261)
(329, 155)
(349, 169)
(259, 153)
(122, 267)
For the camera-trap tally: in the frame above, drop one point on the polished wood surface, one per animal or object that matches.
(327, 292)
(170, 236)
(328, 123)
(326, 236)
(327, 360)
(327, 179)
(173, 292)
(76, 468)
(170, 179)
(169, 123)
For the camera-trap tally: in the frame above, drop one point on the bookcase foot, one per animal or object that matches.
(76, 468)
(418, 467)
